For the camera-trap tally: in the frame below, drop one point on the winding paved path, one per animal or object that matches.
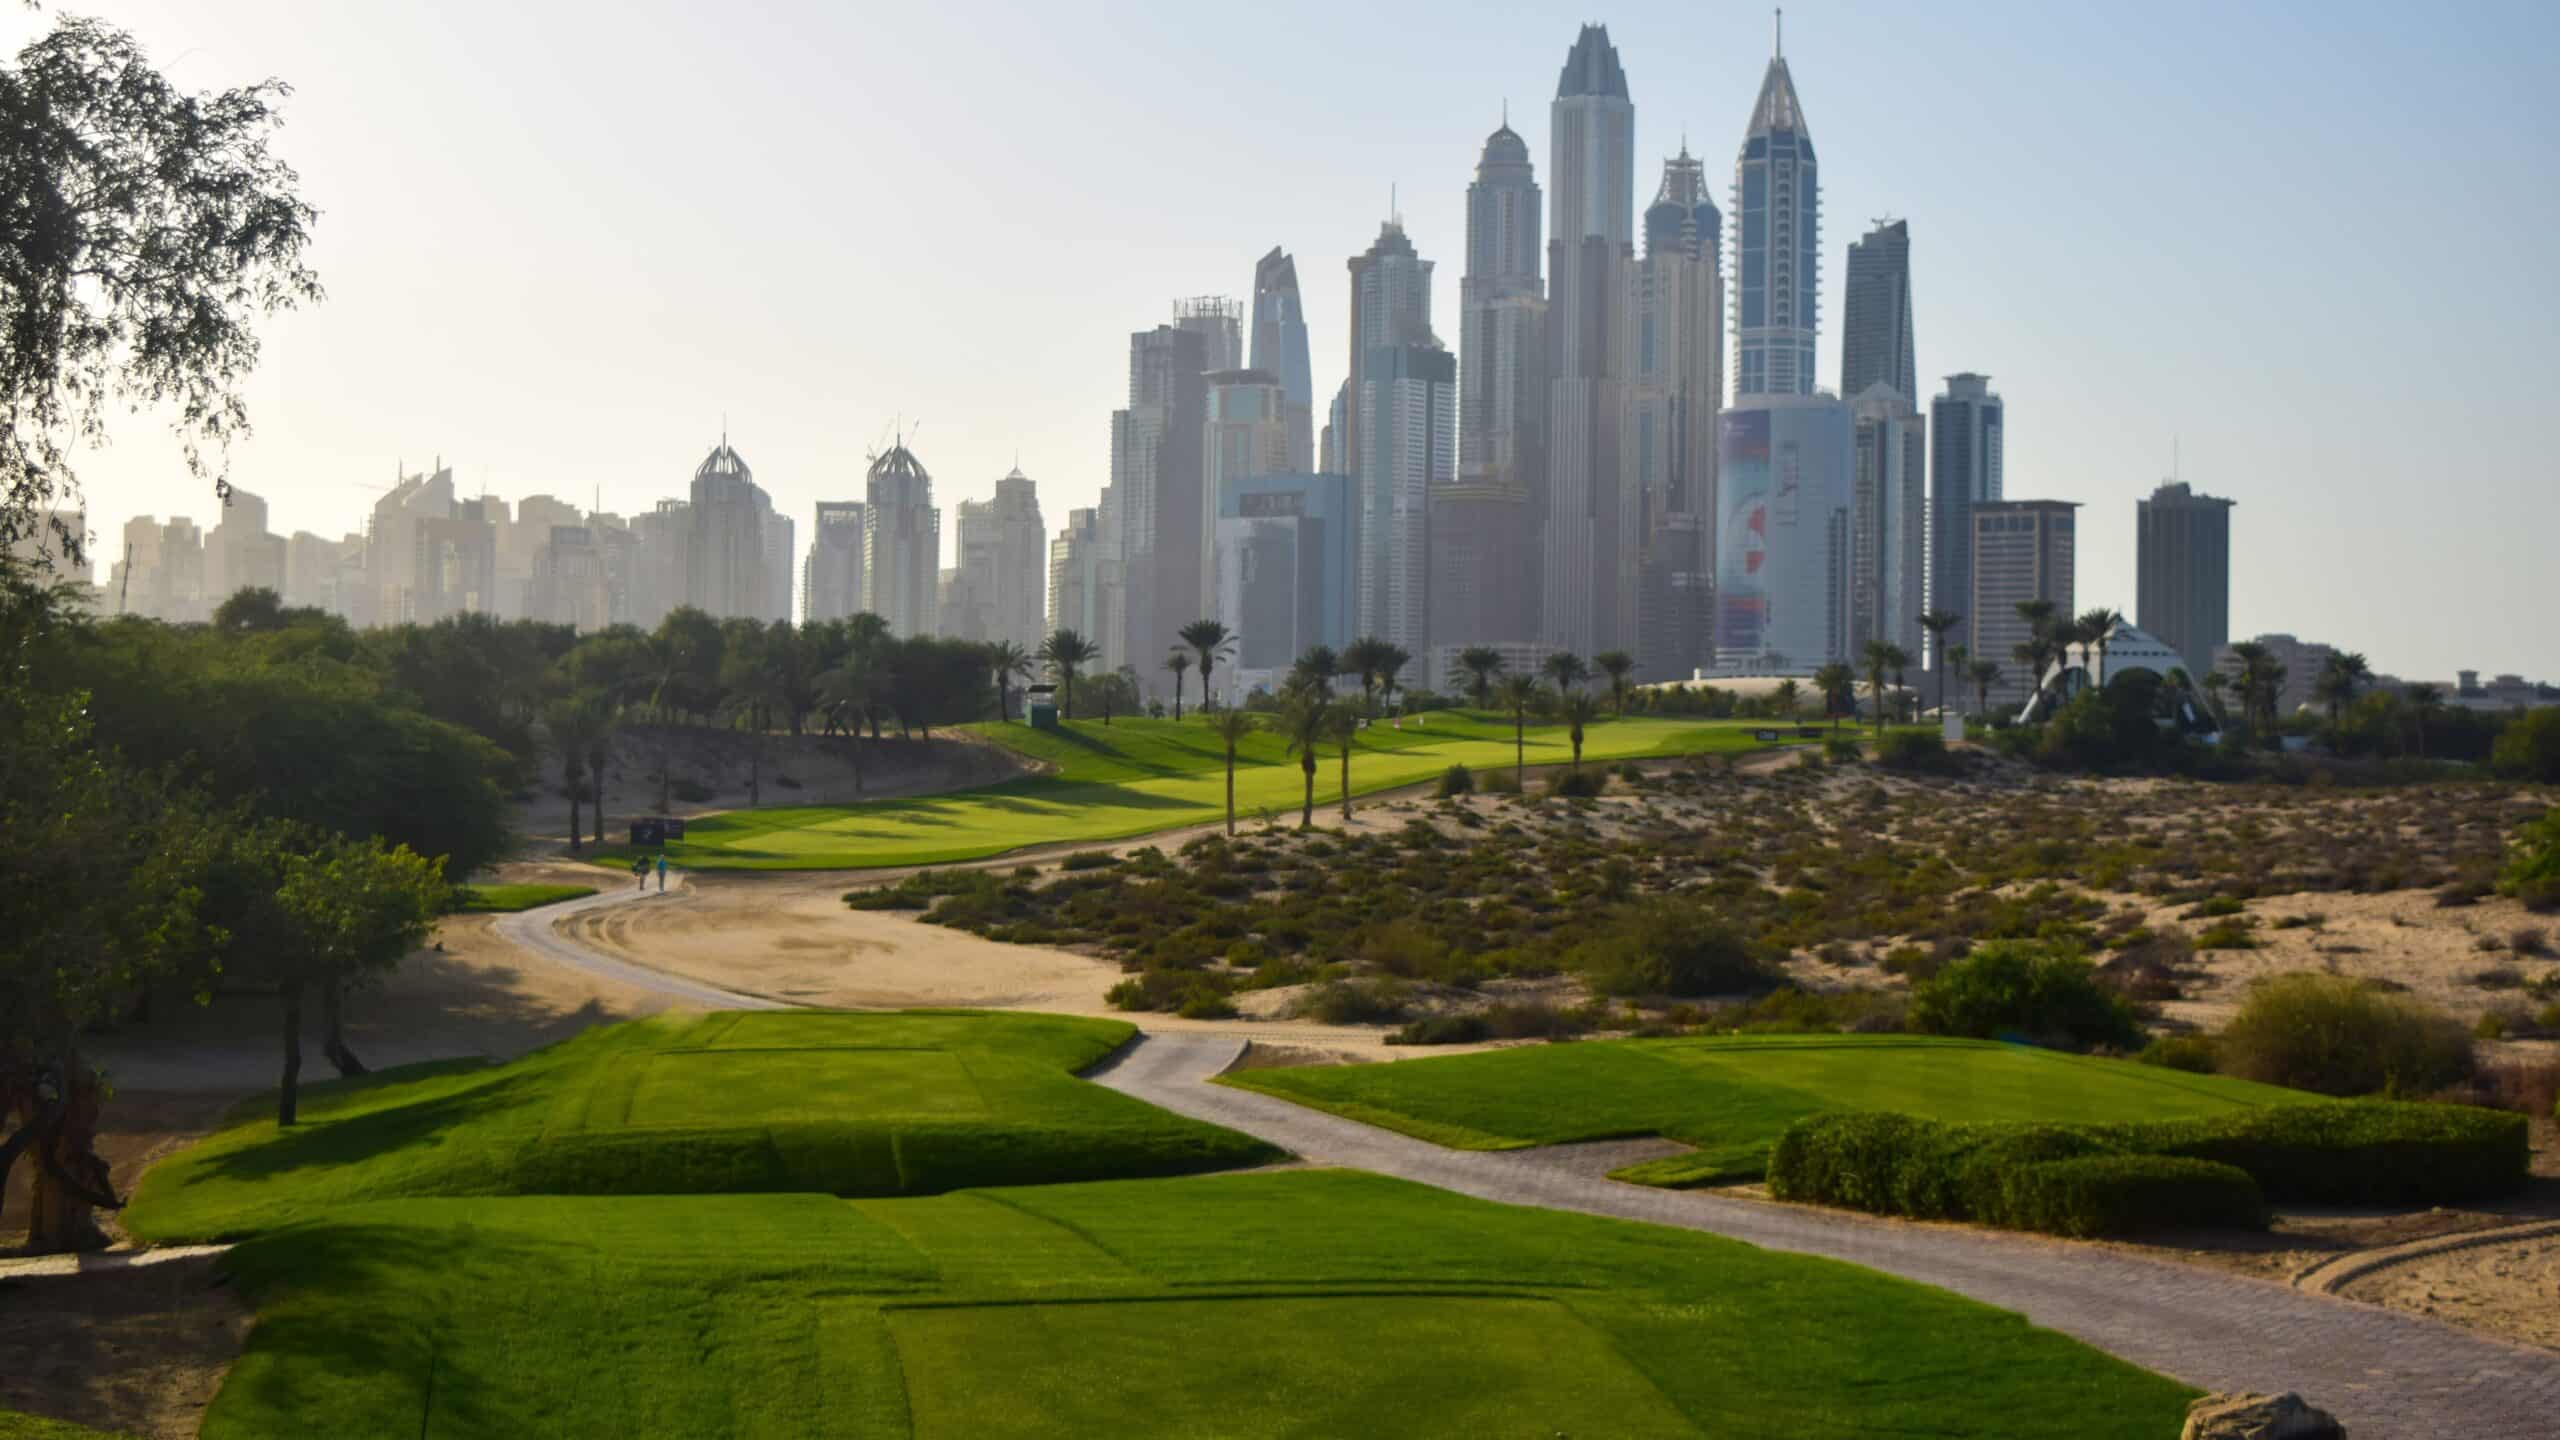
(537, 931)
(2387, 1375)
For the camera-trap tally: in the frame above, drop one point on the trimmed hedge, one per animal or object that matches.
(2103, 1180)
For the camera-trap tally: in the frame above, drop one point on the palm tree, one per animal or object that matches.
(1836, 680)
(1617, 665)
(2338, 680)
(1788, 695)
(1231, 725)
(1956, 658)
(2044, 637)
(1984, 674)
(1566, 670)
(1211, 641)
(2102, 622)
(1360, 658)
(1898, 660)
(2214, 682)
(1008, 660)
(1578, 710)
(1519, 694)
(1938, 623)
(2255, 659)
(1179, 662)
(1343, 728)
(1315, 669)
(1304, 719)
(1482, 663)
(2425, 700)
(599, 752)
(571, 724)
(1063, 652)
(1879, 657)
(1392, 659)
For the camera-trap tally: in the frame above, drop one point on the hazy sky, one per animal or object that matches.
(2312, 243)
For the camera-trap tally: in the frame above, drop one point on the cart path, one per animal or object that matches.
(536, 931)
(2384, 1374)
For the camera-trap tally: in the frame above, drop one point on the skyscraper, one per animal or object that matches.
(240, 554)
(1390, 306)
(725, 542)
(2182, 591)
(1588, 571)
(1888, 522)
(1875, 331)
(1076, 567)
(1008, 577)
(1285, 572)
(1674, 387)
(2023, 550)
(1219, 322)
(901, 542)
(1248, 434)
(1486, 559)
(831, 578)
(1783, 542)
(1280, 350)
(1966, 424)
(1777, 236)
(1157, 478)
(1408, 429)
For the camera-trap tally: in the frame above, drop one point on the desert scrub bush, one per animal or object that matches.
(2215, 907)
(1500, 782)
(2498, 977)
(1789, 1010)
(1089, 860)
(2503, 1021)
(1917, 752)
(1578, 784)
(2336, 1036)
(1670, 945)
(2226, 935)
(1918, 962)
(2191, 1053)
(1454, 781)
(1356, 1002)
(2530, 940)
(2042, 993)
(2532, 872)
(919, 890)
(1842, 750)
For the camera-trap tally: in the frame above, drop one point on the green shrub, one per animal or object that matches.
(2529, 748)
(2019, 988)
(2121, 1194)
(1578, 784)
(1922, 752)
(2363, 1152)
(1671, 945)
(2335, 1036)
(1356, 1002)
(1500, 782)
(1842, 750)
(1456, 780)
(2191, 1053)
(1089, 860)
(2226, 935)
(2533, 861)
(1443, 1030)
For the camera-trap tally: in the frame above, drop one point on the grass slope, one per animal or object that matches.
(844, 1104)
(1255, 1307)
(1135, 777)
(1731, 1096)
(508, 899)
(16, 1426)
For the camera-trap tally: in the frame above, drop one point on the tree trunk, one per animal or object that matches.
(61, 1218)
(333, 1039)
(290, 1089)
(1231, 791)
(1346, 782)
(1307, 808)
(666, 763)
(595, 773)
(755, 768)
(572, 776)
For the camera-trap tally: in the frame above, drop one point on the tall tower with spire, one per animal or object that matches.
(1675, 383)
(1588, 580)
(1777, 238)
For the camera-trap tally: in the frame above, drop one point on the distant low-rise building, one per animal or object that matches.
(2023, 551)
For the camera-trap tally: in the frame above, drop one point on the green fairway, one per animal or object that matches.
(1731, 1096)
(1310, 1303)
(844, 1104)
(14, 1426)
(1135, 777)
(508, 899)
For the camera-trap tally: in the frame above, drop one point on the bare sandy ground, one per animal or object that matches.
(135, 1352)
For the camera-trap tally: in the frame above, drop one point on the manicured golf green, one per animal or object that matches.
(1257, 1307)
(1731, 1096)
(872, 1104)
(508, 899)
(1137, 776)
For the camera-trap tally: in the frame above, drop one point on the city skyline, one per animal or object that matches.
(2328, 504)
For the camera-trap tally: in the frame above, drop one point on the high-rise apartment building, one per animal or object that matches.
(1875, 328)
(1777, 244)
(1219, 322)
(901, 543)
(658, 561)
(726, 540)
(2182, 589)
(2023, 551)
(1248, 434)
(1077, 568)
(1888, 522)
(1280, 351)
(568, 584)
(1408, 430)
(1966, 424)
(1675, 382)
(831, 576)
(1157, 479)
(1286, 567)
(1486, 560)
(1587, 578)
(1002, 569)
(1783, 543)
(240, 554)
(520, 546)
(1390, 306)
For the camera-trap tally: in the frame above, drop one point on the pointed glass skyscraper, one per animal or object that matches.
(1280, 349)
(1777, 237)
(1589, 584)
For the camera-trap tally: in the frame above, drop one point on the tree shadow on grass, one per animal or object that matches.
(324, 1142)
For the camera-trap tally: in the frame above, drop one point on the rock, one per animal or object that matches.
(2260, 1417)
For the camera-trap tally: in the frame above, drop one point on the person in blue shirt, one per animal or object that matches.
(662, 874)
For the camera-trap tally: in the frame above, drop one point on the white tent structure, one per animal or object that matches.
(2128, 650)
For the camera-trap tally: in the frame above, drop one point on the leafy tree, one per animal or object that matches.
(1210, 640)
(355, 907)
(1010, 663)
(2035, 992)
(148, 229)
(2529, 748)
(1520, 694)
(1618, 665)
(1305, 720)
(1939, 624)
(1065, 652)
(1482, 664)
(933, 681)
(1179, 662)
(1231, 726)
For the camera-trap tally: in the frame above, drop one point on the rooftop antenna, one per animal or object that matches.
(1394, 216)
(1778, 38)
